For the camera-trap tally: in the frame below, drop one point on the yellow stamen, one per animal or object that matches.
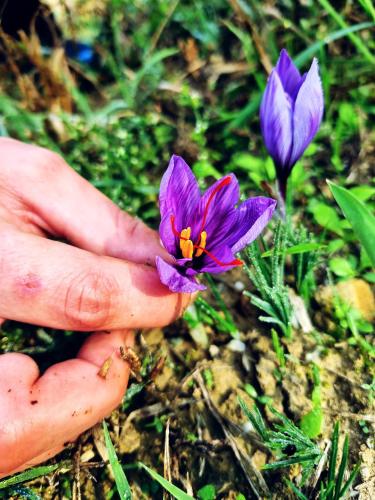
(186, 245)
(184, 236)
(187, 249)
(202, 244)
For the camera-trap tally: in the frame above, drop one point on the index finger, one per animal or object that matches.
(71, 207)
(49, 283)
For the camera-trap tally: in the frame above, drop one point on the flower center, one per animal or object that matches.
(187, 246)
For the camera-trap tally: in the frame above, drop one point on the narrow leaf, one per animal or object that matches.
(333, 455)
(27, 475)
(122, 484)
(352, 476)
(343, 464)
(295, 490)
(359, 216)
(171, 488)
(296, 249)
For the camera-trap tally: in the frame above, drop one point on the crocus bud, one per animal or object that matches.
(290, 114)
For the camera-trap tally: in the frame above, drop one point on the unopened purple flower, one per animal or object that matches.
(290, 113)
(203, 232)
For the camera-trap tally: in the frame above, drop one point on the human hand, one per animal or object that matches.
(98, 282)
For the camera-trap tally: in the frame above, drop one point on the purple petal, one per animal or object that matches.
(252, 217)
(289, 75)
(215, 206)
(175, 281)
(243, 225)
(167, 236)
(179, 192)
(308, 112)
(276, 120)
(224, 254)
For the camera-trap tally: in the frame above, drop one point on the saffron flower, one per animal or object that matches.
(290, 114)
(203, 232)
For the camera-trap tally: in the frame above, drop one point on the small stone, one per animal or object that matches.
(239, 286)
(355, 292)
(236, 345)
(214, 351)
(358, 293)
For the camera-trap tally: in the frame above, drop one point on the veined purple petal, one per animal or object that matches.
(179, 192)
(243, 225)
(215, 205)
(252, 217)
(174, 280)
(168, 238)
(224, 254)
(308, 112)
(289, 75)
(276, 120)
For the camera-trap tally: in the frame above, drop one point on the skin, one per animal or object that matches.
(101, 280)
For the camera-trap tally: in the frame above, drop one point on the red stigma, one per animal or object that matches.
(235, 262)
(227, 180)
(174, 230)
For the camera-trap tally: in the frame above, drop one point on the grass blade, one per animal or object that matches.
(307, 54)
(171, 488)
(348, 483)
(333, 455)
(27, 475)
(122, 484)
(296, 249)
(359, 216)
(354, 38)
(340, 474)
(295, 490)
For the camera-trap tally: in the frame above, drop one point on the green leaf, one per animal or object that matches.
(208, 492)
(171, 488)
(356, 40)
(333, 454)
(363, 193)
(204, 168)
(22, 492)
(313, 49)
(122, 484)
(327, 217)
(311, 423)
(370, 277)
(359, 216)
(341, 471)
(27, 475)
(352, 476)
(341, 267)
(256, 419)
(295, 490)
(296, 249)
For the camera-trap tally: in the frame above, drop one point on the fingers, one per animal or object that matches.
(40, 416)
(65, 204)
(49, 283)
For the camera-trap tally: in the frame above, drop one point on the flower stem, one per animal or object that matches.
(282, 188)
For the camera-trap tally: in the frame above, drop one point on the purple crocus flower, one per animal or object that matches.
(203, 232)
(290, 114)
